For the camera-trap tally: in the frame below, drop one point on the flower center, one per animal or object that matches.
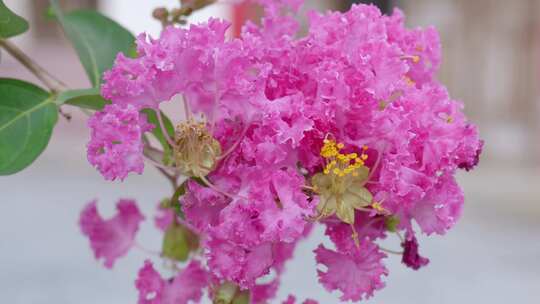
(196, 151)
(341, 184)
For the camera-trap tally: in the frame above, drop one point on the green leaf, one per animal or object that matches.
(11, 24)
(27, 117)
(158, 134)
(178, 242)
(85, 98)
(96, 38)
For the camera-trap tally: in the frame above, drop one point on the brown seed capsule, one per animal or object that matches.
(196, 151)
(160, 13)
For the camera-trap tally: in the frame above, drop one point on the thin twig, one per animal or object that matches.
(231, 148)
(215, 188)
(157, 164)
(400, 237)
(51, 82)
(187, 109)
(390, 251)
(163, 129)
(171, 177)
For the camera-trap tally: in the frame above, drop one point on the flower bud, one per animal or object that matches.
(160, 13)
(179, 242)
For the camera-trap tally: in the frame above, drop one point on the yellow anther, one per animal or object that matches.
(341, 189)
(450, 119)
(409, 81)
(364, 156)
(378, 207)
(365, 147)
(414, 58)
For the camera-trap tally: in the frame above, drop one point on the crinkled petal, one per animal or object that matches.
(411, 257)
(357, 274)
(115, 147)
(186, 287)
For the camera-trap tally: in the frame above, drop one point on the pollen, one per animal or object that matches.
(377, 206)
(409, 81)
(413, 58)
(341, 184)
(341, 164)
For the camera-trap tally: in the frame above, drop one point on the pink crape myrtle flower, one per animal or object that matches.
(292, 300)
(115, 145)
(164, 217)
(111, 239)
(186, 287)
(346, 126)
(356, 273)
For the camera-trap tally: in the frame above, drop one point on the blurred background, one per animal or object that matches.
(491, 61)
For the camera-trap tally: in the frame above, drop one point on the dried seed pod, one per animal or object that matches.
(196, 151)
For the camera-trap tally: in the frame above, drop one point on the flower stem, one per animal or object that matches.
(231, 148)
(163, 129)
(51, 82)
(390, 251)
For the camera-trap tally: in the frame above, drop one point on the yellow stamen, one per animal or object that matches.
(414, 58)
(378, 207)
(409, 81)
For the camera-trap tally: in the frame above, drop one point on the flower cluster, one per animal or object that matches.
(346, 126)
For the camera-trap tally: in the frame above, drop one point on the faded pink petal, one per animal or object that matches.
(112, 238)
(164, 217)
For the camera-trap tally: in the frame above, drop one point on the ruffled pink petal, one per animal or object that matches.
(357, 274)
(366, 226)
(240, 265)
(291, 300)
(441, 207)
(164, 217)
(186, 287)
(149, 284)
(411, 258)
(115, 147)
